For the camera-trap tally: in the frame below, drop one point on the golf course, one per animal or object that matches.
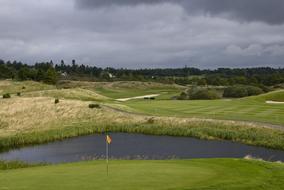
(33, 118)
(198, 174)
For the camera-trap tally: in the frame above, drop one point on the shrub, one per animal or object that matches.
(241, 91)
(204, 94)
(18, 93)
(94, 106)
(56, 101)
(23, 87)
(6, 95)
(146, 98)
(196, 93)
(151, 120)
(152, 98)
(183, 96)
(253, 90)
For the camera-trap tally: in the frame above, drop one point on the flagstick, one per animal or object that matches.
(107, 156)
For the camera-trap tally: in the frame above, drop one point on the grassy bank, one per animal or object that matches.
(202, 174)
(199, 129)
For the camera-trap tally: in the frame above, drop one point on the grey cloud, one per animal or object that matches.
(268, 11)
(156, 35)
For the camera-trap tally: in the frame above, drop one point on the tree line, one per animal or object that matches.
(49, 72)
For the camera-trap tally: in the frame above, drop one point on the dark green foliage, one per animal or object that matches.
(18, 93)
(56, 101)
(48, 72)
(196, 93)
(152, 98)
(94, 106)
(240, 91)
(183, 96)
(252, 90)
(7, 95)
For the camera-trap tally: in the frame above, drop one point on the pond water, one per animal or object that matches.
(137, 146)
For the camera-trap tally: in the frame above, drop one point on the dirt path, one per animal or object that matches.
(138, 97)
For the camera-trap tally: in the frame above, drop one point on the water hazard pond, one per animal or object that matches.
(133, 146)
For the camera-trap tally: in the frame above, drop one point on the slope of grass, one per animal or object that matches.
(125, 89)
(12, 87)
(203, 174)
(248, 109)
(75, 93)
(273, 96)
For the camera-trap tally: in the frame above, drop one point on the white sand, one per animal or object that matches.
(138, 97)
(274, 102)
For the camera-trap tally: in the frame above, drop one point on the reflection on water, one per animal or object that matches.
(136, 146)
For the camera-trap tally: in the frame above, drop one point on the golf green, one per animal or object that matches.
(134, 174)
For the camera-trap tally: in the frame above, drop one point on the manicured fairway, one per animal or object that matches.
(251, 109)
(173, 174)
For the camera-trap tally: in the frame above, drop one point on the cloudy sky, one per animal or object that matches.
(144, 33)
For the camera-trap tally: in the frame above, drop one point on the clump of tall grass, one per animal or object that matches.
(94, 106)
(56, 101)
(7, 95)
(7, 165)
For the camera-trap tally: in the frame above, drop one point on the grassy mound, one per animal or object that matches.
(277, 96)
(13, 87)
(200, 174)
(75, 93)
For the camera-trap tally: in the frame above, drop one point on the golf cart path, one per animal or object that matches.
(137, 97)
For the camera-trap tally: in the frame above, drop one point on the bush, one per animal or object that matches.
(241, 91)
(23, 87)
(94, 106)
(183, 96)
(18, 93)
(56, 101)
(197, 93)
(152, 98)
(204, 94)
(252, 90)
(6, 95)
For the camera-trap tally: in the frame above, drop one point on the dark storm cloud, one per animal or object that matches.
(132, 34)
(269, 11)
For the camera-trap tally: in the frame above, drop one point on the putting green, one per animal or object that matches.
(196, 174)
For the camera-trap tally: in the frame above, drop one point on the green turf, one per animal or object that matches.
(247, 109)
(197, 174)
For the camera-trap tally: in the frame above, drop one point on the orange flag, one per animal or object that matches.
(108, 139)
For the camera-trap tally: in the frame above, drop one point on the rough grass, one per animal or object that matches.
(13, 87)
(126, 89)
(201, 174)
(246, 109)
(75, 93)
